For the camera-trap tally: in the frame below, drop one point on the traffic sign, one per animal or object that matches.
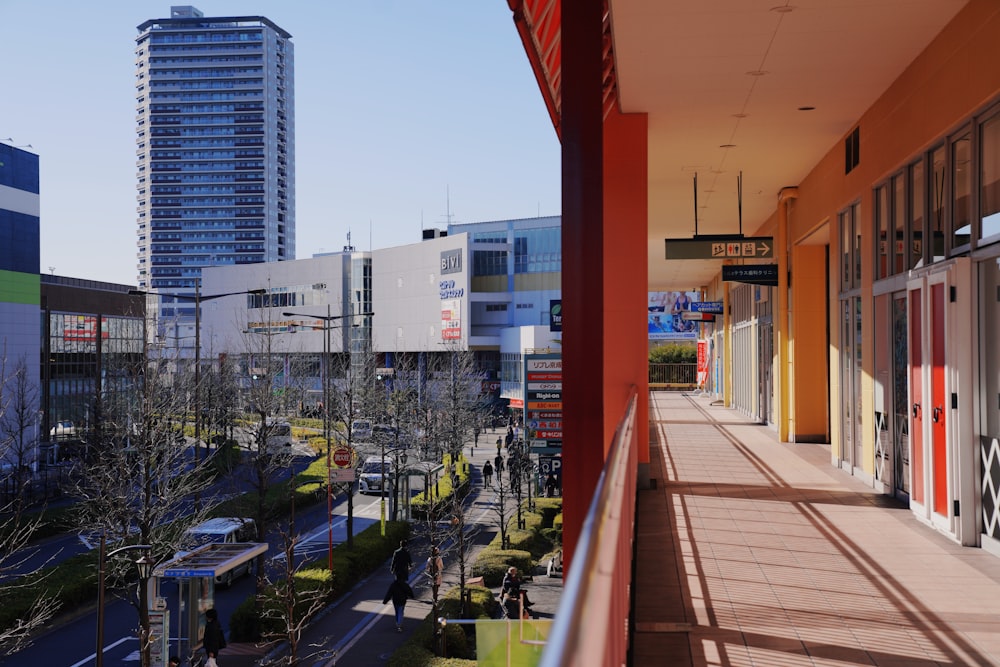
(344, 475)
(342, 457)
(720, 247)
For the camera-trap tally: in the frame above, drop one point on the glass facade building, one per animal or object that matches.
(92, 332)
(215, 141)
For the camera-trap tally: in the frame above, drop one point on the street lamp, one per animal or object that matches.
(145, 567)
(327, 327)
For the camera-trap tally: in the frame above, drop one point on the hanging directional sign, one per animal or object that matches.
(720, 247)
(714, 307)
(754, 274)
(689, 315)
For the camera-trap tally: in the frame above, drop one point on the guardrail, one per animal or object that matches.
(591, 625)
(673, 376)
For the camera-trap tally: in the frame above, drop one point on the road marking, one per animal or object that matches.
(93, 656)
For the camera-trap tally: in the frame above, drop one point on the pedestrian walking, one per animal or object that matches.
(214, 639)
(434, 569)
(550, 486)
(498, 464)
(475, 433)
(487, 474)
(399, 592)
(401, 562)
(499, 444)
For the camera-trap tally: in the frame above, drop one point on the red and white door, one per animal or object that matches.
(940, 343)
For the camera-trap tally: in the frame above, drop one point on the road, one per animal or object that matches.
(75, 639)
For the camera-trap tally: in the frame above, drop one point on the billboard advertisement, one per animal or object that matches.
(665, 314)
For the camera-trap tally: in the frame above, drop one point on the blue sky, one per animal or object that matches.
(398, 104)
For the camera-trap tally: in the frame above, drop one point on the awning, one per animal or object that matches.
(210, 560)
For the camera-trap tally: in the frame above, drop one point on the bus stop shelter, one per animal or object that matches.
(195, 573)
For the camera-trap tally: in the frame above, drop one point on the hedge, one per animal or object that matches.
(422, 646)
(249, 623)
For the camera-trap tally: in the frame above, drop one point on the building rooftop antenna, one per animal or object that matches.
(448, 216)
(348, 247)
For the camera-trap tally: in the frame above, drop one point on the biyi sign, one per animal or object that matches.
(451, 261)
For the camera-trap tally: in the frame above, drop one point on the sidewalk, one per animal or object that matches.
(361, 631)
(755, 552)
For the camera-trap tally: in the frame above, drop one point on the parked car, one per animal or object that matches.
(373, 476)
(221, 530)
(384, 433)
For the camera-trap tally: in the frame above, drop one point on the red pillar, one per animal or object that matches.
(583, 291)
(626, 276)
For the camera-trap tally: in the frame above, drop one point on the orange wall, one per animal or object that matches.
(810, 381)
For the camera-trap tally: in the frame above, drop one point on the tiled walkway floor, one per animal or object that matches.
(755, 552)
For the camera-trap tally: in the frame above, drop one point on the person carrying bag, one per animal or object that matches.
(214, 640)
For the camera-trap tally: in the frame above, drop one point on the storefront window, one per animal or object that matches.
(882, 232)
(937, 204)
(961, 192)
(899, 251)
(917, 199)
(989, 193)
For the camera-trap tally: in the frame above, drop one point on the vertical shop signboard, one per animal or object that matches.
(702, 362)
(543, 407)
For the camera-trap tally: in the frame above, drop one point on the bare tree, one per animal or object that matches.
(19, 430)
(16, 398)
(503, 506)
(447, 529)
(456, 398)
(266, 370)
(355, 396)
(140, 483)
(290, 606)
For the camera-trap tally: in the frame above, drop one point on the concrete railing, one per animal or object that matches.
(591, 625)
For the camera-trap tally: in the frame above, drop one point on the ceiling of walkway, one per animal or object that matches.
(761, 87)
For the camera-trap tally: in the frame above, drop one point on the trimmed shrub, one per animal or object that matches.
(370, 552)
(492, 563)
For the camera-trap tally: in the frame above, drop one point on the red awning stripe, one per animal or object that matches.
(539, 26)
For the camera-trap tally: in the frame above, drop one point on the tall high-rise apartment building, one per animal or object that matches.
(215, 134)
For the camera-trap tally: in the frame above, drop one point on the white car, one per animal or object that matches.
(361, 429)
(372, 475)
(62, 429)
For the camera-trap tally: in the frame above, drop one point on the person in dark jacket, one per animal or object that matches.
(214, 639)
(398, 592)
(511, 587)
(401, 562)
